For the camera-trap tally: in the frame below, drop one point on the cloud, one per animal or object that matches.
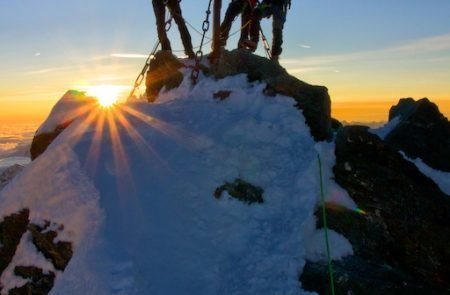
(301, 70)
(128, 55)
(430, 44)
(49, 70)
(304, 46)
(415, 48)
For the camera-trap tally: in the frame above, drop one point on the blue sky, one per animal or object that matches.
(360, 50)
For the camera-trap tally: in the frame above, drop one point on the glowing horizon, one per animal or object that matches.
(364, 53)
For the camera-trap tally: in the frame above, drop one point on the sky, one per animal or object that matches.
(367, 53)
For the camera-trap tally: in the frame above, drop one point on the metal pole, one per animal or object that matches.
(215, 54)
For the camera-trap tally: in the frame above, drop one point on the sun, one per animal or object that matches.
(107, 95)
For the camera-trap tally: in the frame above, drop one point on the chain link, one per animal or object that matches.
(199, 54)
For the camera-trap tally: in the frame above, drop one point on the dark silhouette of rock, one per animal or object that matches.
(42, 141)
(163, 72)
(407, 225)
(423, 132)
(11, 230)
(359, 276)
(39, 283)
(336, 124)
(314, 101)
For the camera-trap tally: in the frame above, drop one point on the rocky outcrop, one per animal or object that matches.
(12, 228)
(360, 276)
(423, 132)
(314, 101)
(42, 141)
(403, 239)
(72, 105)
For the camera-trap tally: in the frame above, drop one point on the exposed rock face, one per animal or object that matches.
(42, 141)
(359, 276)
(314, 101)
(403, 240)
(423, 132)
(58, 252)
(163, 72)
(72, 105)
(12, 228)
(39, 282)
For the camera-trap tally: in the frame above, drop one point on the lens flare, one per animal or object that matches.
(107, 95)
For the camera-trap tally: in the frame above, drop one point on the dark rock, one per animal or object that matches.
(39, 284)
(423, 132)
(59, 253)
(11, 230)
(163, 72)
(407, 224)
(354, 275)
(42, 141)
(241, 190)
(314, 101)
(223, 94)
(336, 124)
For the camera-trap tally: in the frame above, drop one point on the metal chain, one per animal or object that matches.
(141, 76)
(266, 44)
(199, 54)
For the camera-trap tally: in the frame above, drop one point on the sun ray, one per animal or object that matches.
(146, 150)
(120, 158)
(182, 137)
(96, 142)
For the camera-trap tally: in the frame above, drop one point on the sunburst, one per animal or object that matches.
(107, 95)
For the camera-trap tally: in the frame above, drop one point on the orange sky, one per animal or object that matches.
(368, 55)
(348, 111)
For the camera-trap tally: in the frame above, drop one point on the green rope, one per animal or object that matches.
(324, 216)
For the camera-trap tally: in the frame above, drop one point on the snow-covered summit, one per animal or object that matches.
(132, 189)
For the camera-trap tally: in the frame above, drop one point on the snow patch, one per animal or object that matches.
(383, 131)
(441, 178)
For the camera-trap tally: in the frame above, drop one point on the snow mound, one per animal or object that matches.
(134, 188)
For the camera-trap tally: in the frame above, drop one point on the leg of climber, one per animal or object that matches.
(160, 10)
(247, 39)
(279, 18)
(233, 10)
(175, 10)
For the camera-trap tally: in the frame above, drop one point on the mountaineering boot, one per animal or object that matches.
(190, 54)
(248, 44)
